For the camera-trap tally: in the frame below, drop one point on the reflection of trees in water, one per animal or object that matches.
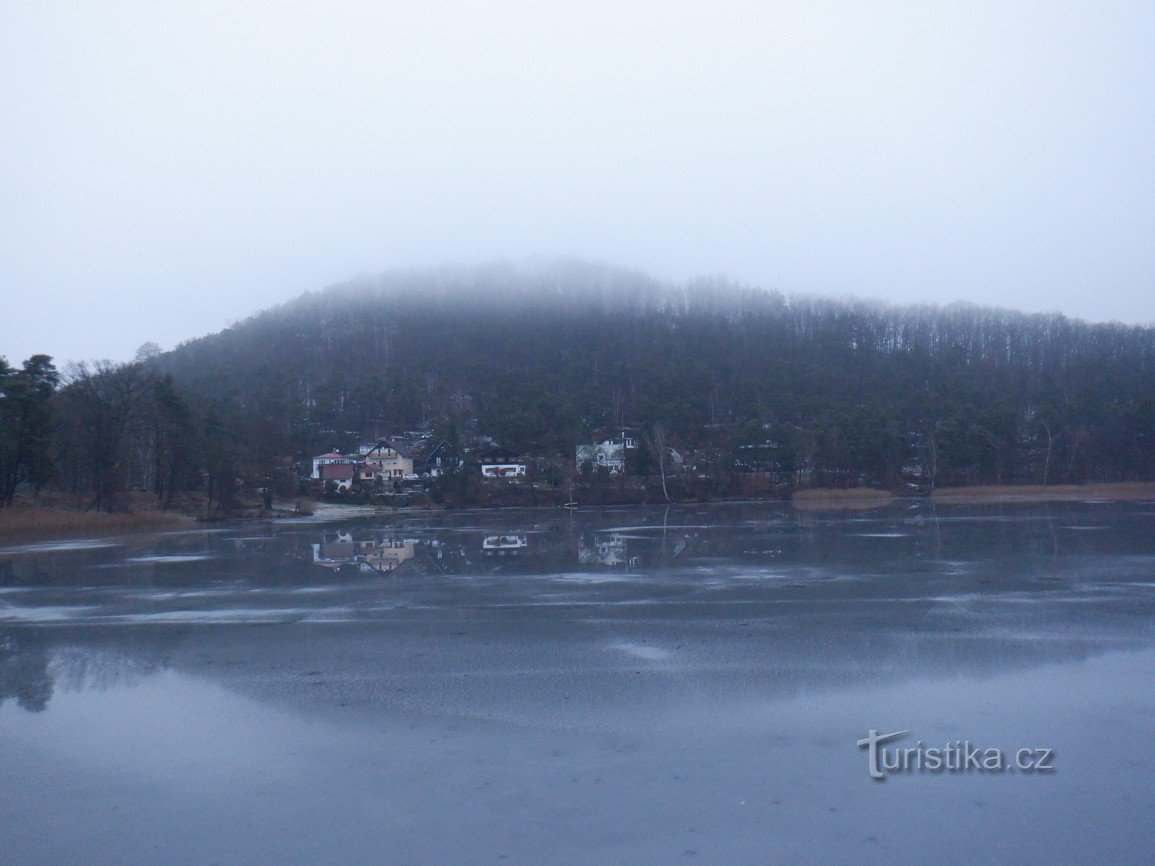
(24, 673)
(30, 669)
(80, 667)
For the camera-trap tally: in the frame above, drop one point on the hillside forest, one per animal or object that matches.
(752, 391)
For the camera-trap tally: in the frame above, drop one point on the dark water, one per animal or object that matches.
(633, 686)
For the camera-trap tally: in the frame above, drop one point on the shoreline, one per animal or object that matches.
(47, 521)
(64, 516)
(863, 497)
(1120, 491)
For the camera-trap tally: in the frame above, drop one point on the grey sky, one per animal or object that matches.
(170, 167)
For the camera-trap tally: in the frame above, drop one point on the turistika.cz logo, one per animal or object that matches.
(958, 756)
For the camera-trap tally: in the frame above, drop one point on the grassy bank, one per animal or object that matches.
(1121, 492)
(825, 499)
(62, 517)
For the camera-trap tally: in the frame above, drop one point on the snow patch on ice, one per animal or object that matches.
(61, 546)
(174, 557)
(641, 651)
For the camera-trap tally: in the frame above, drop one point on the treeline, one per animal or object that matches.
(102, 430)
(542, 358)
(26, 428)
(847, 392)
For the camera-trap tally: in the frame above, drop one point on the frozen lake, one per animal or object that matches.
(635, 686)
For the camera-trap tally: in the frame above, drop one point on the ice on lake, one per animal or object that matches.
(630, 686)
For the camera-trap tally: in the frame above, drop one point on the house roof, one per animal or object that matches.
(432, 452)
(500, 455)
(331, 455)
(337, 471)
(391, 443)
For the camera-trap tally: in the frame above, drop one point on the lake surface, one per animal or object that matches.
(636, 686)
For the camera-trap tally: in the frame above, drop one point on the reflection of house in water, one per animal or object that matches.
(389, 555)
(607, 549)
(369, 554)
(504, 545)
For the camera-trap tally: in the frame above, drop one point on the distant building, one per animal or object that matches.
(341, 474)
(609, 450)
(332, 457)
(389, 459)
(437, 461)
(609, 454)
(502, 463)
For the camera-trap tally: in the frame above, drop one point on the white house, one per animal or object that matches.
(505, 543)
(502, 463)
(610, 454)
(328, 459)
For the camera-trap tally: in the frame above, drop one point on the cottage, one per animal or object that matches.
(341, 474)
(330, 458)
(609, 450)
(438, 461)
(609, 454)
(389, 459)
(502, 463)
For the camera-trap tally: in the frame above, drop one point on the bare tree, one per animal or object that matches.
(101, 403)
(656, 442)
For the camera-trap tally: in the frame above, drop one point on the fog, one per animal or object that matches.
(169, 168)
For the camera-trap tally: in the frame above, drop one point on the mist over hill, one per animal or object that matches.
(542, 356)
(747, 390)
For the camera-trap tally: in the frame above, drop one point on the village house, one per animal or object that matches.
(608, 455)
(331, 458)
(501, 463)
(437, 461)
(341, 474)
(388, 459)
(610, 452)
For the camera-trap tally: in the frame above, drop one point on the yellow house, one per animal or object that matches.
(389, 459)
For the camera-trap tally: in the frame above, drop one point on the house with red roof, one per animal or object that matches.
(330, 459)
(341, 474)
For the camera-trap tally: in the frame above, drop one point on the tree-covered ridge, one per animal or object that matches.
(541, 358)
(753, 390)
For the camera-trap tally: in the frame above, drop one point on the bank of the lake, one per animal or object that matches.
(1130, 491)
(62, 517)
(67, 517)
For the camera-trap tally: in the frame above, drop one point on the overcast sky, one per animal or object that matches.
(170, 167)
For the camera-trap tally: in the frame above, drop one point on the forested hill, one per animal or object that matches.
(542, 357)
